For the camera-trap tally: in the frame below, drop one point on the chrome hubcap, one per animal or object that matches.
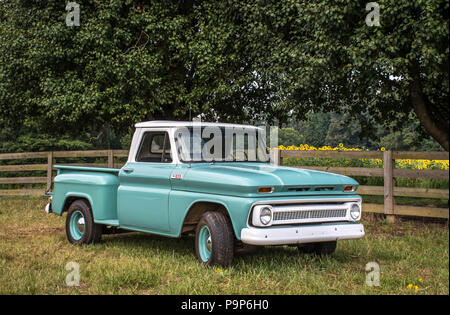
(208, 243)
(80, 225)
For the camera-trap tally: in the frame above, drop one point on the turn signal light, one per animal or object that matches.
(349, 188)
(265, 190)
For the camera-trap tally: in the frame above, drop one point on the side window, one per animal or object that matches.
(155, 147)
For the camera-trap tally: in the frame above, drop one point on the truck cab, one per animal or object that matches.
(214, 180)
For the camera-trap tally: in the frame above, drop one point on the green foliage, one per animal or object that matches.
(43, 142)
(290, 136)
(405, 139)
(344, 130)
(315, 128)
(125, 63)
(322, 56)
(330, 129)
(227, 60)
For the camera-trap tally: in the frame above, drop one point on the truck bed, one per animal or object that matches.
(95, 184)
(68, 168)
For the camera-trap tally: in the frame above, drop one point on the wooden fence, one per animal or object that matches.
(50, 159)
(388, 172)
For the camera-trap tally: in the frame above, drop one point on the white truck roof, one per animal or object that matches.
(169, 123)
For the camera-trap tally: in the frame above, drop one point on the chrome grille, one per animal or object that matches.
(309, 214)
(305, 211)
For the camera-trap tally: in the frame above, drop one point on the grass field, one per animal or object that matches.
(413, 258)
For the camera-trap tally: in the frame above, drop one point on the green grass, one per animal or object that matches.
(34, 252)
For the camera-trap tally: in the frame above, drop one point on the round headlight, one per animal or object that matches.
(265, 216)
(355, 211)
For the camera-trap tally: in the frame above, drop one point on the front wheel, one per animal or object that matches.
(321, 248)
(214, 239)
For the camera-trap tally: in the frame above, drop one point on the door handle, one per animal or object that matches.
(128, 170)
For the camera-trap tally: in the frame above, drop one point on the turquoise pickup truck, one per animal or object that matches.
(212, 179)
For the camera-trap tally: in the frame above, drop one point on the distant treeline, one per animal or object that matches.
(318, 129)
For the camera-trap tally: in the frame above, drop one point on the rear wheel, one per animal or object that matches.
(322, 248)
(214, 239)
(80, 225)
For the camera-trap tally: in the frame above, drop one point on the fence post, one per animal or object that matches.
(276, 156)
(110, 159)
(388, 165)
(49, 170)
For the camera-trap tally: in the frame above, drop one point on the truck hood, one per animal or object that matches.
(244, 179)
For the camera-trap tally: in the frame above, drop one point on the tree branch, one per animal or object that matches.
(421, 108)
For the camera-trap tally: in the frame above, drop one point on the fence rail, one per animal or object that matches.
(388, 173)
(50, 158)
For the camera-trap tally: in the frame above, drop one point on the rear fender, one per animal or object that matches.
(99, 189)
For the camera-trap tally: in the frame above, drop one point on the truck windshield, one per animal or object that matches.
(221, 144)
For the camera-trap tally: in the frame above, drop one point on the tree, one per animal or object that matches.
(322, 55)
(315, 128)
(289, 136)
(126, 62)
(229, 60)
(343, 129)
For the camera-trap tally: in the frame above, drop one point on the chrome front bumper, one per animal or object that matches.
(283, 235)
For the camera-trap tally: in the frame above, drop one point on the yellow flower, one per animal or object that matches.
(420, 280)
(416, 288)
(409, 286)
(418, 164)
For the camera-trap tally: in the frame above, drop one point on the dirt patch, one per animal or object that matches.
(376, 224)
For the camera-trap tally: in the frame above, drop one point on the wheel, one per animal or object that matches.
(214, 239)
(80, 226)
(322, 248)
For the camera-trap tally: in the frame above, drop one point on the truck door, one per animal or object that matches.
(143, 195)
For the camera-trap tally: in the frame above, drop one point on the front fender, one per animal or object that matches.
(180, 202)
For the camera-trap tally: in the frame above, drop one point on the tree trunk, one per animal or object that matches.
(421, 105)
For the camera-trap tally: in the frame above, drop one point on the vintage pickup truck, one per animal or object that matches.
(212, 179)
